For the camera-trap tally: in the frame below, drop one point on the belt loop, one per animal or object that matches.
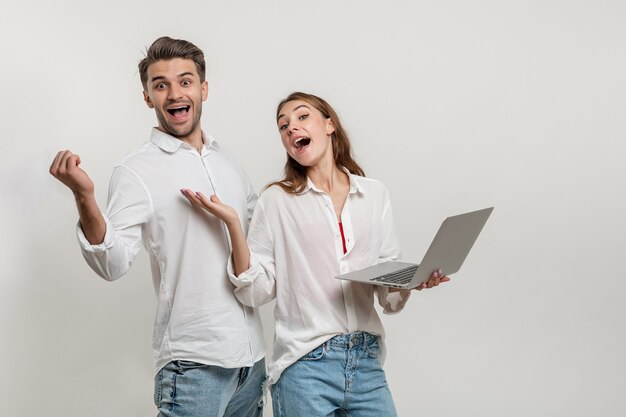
(353, 340)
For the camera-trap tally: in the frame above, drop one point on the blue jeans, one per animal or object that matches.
(342, 377)
(190, 389)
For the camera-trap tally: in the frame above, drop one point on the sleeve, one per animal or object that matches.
(128, 210)
(251, 200)
(391, 302)
(257, 285)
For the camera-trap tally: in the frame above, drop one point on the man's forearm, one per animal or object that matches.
(91, 220)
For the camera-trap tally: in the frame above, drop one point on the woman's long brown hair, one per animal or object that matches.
(295, 179)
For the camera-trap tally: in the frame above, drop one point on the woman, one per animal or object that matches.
(322, 219)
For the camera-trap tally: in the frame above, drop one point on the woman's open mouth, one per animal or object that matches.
(301, 142)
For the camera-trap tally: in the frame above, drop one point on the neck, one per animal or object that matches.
(327, 176)
(193, 139)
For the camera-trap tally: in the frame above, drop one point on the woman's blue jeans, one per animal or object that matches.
(342, 377)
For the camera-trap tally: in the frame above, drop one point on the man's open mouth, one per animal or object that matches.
(178, 112)
(301, 142)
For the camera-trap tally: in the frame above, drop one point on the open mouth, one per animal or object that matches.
(301, 142)
(179, 112)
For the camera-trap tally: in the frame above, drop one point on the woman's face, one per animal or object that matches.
(306, 133)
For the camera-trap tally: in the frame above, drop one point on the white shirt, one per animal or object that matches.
(198, 317)
(296, 251)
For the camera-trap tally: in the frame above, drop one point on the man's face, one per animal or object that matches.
(175, 92)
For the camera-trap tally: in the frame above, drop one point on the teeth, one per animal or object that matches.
(301, 142)
(175, 109)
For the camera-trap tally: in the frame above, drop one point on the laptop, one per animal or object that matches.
(447, 252)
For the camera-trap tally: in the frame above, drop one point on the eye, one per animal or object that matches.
(282, 127)
(304, 116)
(186, 83)
(159, 86)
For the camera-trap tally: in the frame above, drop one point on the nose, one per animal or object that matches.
(292, 127)
(174, 92)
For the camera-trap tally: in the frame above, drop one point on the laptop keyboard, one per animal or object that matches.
(402, 276)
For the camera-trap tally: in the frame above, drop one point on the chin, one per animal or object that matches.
(182, 131)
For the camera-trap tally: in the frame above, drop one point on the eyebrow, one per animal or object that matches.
(157, 78)
(300, 106)
(162, 77)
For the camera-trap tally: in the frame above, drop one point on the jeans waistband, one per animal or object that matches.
(352, 339)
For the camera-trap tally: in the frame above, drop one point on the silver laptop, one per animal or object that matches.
(448, 250)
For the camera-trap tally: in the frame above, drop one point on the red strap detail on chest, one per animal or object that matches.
(343, 238)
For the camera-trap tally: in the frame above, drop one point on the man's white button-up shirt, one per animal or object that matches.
(198, 317)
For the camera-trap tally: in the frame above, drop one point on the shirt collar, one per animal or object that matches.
(354, 185)
(170, 144)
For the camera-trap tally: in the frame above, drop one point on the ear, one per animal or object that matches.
(330, 127)
(205, 90)
(147, 99)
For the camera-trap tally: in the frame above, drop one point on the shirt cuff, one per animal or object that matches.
(246, 277)
(393, 302)
(100, 247)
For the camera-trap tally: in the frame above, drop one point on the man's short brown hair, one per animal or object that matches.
(166, 48)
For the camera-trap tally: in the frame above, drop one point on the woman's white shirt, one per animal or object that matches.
(296, 250)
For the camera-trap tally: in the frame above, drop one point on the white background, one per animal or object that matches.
(455, 105)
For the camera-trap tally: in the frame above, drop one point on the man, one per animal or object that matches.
(208, 348)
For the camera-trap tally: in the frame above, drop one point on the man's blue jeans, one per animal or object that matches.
(189, 389)
(342, 377)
